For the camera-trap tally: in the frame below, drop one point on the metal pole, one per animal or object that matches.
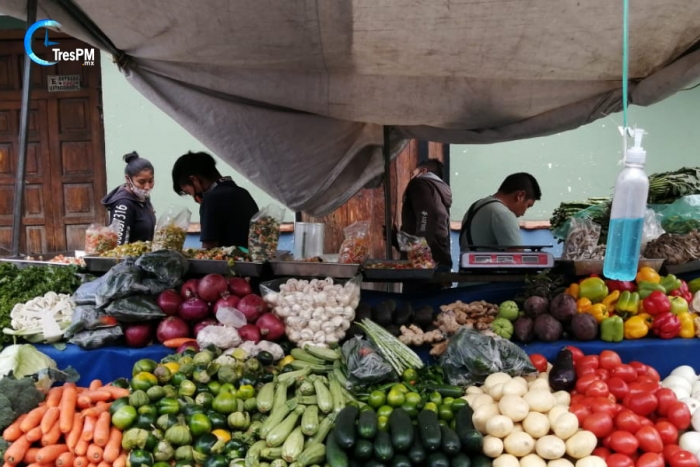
(23, 130)
(388, 224)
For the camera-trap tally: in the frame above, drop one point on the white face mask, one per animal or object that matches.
(141, 193)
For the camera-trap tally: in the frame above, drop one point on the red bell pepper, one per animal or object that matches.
(622, 286)
(657, 303)
(683, 292)
(666, 325)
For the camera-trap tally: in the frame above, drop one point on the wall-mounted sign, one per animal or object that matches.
(59, 83)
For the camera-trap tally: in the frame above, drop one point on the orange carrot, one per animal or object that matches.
(88, 428)
(83, 401)
(73, 437)
(50, 453)
(33, 418)
(101, 434)
(34, 434)
(104, 464)
(49, 419)
(114, 446)
(52, 436)
(67, 406)
(177, 342)
(94, 453)
(96, 410)
(15, 453)
(66, 459)
(81, 448)
(30, 456)
(53, 398)
(95, 384)
(116, 392)
(80, 461)
(36, 464)
(120, 461)
(13, 431)
(98, 395)
(92, 464)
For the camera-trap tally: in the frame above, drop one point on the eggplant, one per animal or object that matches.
(562, 376)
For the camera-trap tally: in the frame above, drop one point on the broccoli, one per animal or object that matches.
(17, 396)
(3, 446)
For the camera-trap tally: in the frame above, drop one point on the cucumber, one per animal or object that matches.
(480, 460)
(460, 460)
(401, 429)
(472, 441)
(374, 463)
(438, 459)
(450, 442)
(363, 450)
(417, 452)
(334, 454)
(383, 449)
(429, 429)
(367, 424)
(345, 433)
(446, 390)
(400, 461)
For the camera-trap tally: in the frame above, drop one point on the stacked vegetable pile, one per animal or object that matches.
(685, 384)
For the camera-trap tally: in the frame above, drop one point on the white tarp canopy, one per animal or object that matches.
(294, 94)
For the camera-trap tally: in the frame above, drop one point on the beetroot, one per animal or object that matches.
(230, 301)
(169, 301)
(250, 333)
(189, 289)
(239, 286)
(194, 309)
(138, 335)
(252, 306)
(212, 287)
(172, 327)
(271, 327)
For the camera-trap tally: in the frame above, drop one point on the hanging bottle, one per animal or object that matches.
(627, 215)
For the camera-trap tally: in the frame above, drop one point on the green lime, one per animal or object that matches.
(435, 398)
(430, 406)
(395, 398)
(413, 399)
(245, 392)
(376, 399)
(409, 376)
(383, 423)
(384, 411)
(458, 404)
(448, 400)
(445, 413)
(399, 387)
(411, 410)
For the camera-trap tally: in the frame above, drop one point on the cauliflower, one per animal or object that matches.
(223, 337)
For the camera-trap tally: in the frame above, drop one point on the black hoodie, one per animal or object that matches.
(134, 219)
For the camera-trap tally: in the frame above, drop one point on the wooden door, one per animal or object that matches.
(65, 177)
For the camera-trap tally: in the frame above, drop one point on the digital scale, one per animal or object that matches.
(498, 260)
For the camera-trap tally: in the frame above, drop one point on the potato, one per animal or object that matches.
(540, 383)
(496, 391)
(514, 407)
(581, 444)
(495, 378)
(532, 460)
(492, 447)
(565, 426)
(554, 413)
(563, 462)
(521, 380)
(499, 426)
(540, 400)
(506, 460)
(474, 390)
(470, 399)
(479, 400)
(591, 461)
(536, 424)
(483, 414)
(517, 428)
(550, 447)
(514, 388)
(519, 444)
(562, 398)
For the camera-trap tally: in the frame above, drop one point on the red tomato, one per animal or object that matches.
(584, 371)
(581, 411)
(639, 366)
(576, 398)
(667, 431)
(682, 458)
(591, 361)
(539, 361)
(645, 421)
(649, 381)
(650, 459)
(575, 352)
(605, 405)
(619, 460)
(638, 387)
(609, 359)
(669, 449)
(626, 373)
(666, 397)
(617, 387)
(649, 439)
(627, 420)
(602, 374)
(653, 374)
(642, 404)
(623, 442)
(598, 423)
(602, 452)
(679, 414)
(597, 389)
(583, 382)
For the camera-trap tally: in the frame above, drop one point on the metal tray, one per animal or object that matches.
(23, 263)
(309, 269)
(588, 267)
(208, 266)
(382, 274)
(691, 266)
(248, 269)
(99, 263)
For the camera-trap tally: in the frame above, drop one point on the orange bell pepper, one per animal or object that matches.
(647, 274)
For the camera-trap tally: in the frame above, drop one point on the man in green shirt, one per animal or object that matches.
(493, 221)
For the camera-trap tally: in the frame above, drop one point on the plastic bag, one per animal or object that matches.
(652, 228)
(122, 280)
(134, 309)
(417, 250)
(88, 317)
(355, 247)
(582, 240)
(682, 216)
(97, 338)
(364, 363)
(100, 239)
(598, 213)
(87, 292)
(471, 356)
(171, 229)
(166, 266)
(264, 233)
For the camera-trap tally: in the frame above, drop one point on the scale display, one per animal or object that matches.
(506, 260)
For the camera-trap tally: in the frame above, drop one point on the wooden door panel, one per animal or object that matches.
(8, 72)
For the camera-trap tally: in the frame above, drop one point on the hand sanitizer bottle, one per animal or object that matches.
(627, 215)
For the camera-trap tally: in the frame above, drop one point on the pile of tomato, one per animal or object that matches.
(637, 421)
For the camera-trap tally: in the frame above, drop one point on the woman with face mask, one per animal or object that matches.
(129, 205)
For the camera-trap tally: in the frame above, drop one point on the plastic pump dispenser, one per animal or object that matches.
(627, 215)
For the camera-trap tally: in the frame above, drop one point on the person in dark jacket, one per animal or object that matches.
(129, 205)
(225, 209)
(426, 210)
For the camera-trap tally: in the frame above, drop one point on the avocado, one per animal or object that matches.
(393, 329)
(403, 314)
(381, 314)
(391, 304)
(423, 317)
(363, 311)
(354, 330)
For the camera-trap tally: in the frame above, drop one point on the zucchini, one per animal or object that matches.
(279, 433)
(336, 393)
(417, 452)
(450, 441)
(323, 429)
(265, 398)
(401, 429)
(429, 429)
(480, 460)
(323, 396)
(472, 441)
(345, 433)
(367, 424)
(400, 461)
(329, 355)
(293, 445)
(304, 356)
(461, 460)
(314, 454)
(438, 459)
(335, 455)
(313, 367)
(363, 450)
(309, 420)
(383, 449)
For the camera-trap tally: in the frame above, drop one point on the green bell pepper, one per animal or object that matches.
(612, 329)
(628, 303)
(644, 289)
(670, 283)
(694, 286)
(593, 288)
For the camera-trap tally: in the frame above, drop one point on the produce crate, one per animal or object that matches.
(313, 269)
(371, 274)
(99, 263)
(208, 266)
(691, 266)
(588, 267)
(248, 269)
(23, 263)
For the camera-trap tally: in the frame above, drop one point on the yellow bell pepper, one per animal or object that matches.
(611, 300)
(648, 319)
(583, 304)
(598, 311)
(636, 327)
(573, 290)
(687, 325)
(647, 274)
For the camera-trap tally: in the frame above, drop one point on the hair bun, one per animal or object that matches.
(130, 157)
